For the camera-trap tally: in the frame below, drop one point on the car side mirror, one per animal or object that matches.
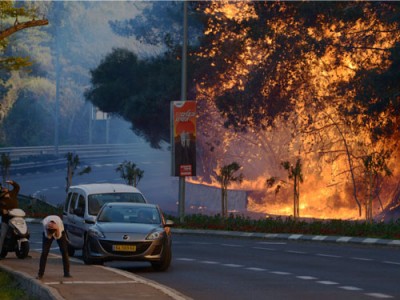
(169, 223)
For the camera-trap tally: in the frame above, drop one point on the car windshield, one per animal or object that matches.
(129, 214)
(96, 201)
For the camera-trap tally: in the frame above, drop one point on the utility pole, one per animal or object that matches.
(183, 98)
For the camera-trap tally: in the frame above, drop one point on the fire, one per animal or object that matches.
(327, 188)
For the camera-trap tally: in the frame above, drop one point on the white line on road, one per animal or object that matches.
(307, 277)
(328, 255)
(327, 282)
(350, 288)
(262, 248)
(295, 252)
(362, 258)
(391, 262)
(256, 269)
(379, 295)
(231, 245)
(209, 262)
(233, 265)
(280, 273)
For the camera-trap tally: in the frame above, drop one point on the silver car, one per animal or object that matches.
(129, 231)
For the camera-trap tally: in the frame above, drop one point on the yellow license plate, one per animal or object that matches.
(124, 248)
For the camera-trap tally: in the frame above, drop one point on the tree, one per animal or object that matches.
(295, 174)
(73, 163)
(225, 177)
(130, 173)
(139, 90)
(8, 11)
(375, 167)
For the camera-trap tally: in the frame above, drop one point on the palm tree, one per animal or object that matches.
(73, 163)
(295, 173)
(5, 162)
(225, 177)
(130, 173)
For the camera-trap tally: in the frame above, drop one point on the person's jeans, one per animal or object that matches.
(46, 244)
(4, 229)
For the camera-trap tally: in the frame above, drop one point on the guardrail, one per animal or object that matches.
(84, 151)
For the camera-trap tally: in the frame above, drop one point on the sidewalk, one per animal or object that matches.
(88, 281)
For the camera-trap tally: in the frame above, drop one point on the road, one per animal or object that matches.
(231, 268)
(226, 268)
(157, 184)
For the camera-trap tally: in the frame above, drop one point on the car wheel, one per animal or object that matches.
(165, 260)
(86, 256)
(23, 251)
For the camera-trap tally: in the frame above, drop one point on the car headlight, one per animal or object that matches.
(96, 233)
(155, 235)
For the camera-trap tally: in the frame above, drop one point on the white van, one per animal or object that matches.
(84, 201)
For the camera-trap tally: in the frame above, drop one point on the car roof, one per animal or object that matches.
(97, 188)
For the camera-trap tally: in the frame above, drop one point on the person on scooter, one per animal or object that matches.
(53, 229)
(8, 200)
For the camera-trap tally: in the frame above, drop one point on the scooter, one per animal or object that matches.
(17, 238)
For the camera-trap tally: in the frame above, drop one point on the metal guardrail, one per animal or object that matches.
(84, 151)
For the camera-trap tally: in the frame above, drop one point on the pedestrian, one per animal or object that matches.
(8, 201)
(53, 229)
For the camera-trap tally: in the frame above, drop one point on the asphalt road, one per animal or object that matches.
(157, 183)
(205, 267)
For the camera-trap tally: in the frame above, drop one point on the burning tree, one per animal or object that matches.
(275, 79)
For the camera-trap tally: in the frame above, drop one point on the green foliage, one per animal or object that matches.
(138, 90)
(225, 177)
(11, 290)
(73, 163)
(130, 173)
(37, 208)
(290, 225)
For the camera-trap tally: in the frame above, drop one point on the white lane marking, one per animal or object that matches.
(201, 243)
(233, 265)
(391, 262)
(256, 269)
(231, 245)
(327, 282)
(295, 252)
(280, 273)
(350, 288)
(90, 282)
(272, 243)
(362, 258)
(379, 295)
(307, 277)
(328, 255)
(166, 290)
(185, 259)
(209, 262)
(262, 248)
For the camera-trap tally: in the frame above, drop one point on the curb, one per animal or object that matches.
(297, 237)
(32, 286)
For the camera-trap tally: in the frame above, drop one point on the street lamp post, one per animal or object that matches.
(183, 98)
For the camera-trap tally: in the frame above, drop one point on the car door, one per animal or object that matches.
(70, 220)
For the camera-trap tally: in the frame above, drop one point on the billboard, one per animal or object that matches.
(183, 138)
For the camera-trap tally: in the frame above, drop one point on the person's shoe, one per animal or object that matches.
(67, 275)
(39, 277)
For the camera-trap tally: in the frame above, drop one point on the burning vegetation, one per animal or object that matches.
(303, 81)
